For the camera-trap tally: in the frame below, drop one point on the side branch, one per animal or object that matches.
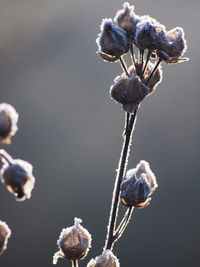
(4, 155)
(123, 224)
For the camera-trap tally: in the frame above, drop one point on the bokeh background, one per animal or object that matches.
(70, 130)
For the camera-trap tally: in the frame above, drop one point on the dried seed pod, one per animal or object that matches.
(8, 122)
(138, 186)
(112, 41)
(173, 47)
(135, 192)
(18, 178)
(129, 91)
(5, 233)
(106, 259)
(127, 19)
(74, 242)
(149, 33)
(175, 43)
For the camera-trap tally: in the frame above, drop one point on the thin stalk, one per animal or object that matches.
(6, 156)
(74, 263)
(146, 63)
(132, 54)
(142, 58)
(124, 222)
(110, 239)
(153, 71)
(123, 65)
(127, 116)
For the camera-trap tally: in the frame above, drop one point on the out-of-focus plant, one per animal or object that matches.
(5, 233)
(149, 44)
(16, 174)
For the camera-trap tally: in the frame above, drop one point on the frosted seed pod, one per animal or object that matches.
(5, 233)
(149, 33)
(138, 186)
(8, 122)
(112, 41)
(18, 178)
(129, 91)
(135, 192)
(175, 43)
(127, 19)
(74, 243)
(173, 47)
(106, 259)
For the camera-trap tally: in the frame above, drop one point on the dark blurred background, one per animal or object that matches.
(70, 130)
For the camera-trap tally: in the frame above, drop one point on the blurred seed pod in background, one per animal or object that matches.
(5, 233)
(18, 178)
(8, 122)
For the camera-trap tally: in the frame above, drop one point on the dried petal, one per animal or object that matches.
(107, 57)
(177, 60)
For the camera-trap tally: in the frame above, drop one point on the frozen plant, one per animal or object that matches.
(74, 243)
(149, 44)
(8, 122)
(17, 177)
(15, 174)
(5, 233)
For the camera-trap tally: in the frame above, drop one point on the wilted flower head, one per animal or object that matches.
(138, 186)
(112, 41)
(8, 122)
(106, 259)
(127, 19)
(74, 242)
(5, 233)
(18, 178)
(149, 33)
(173, 47)
(129, 91)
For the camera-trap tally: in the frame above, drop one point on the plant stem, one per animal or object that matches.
(121, 60)
(74, 263)
(153, 71)
(132, 54)
(146, 63)
(110, 239)
(142, 58)
(6, 156)
(124, 222)
(127, 117)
